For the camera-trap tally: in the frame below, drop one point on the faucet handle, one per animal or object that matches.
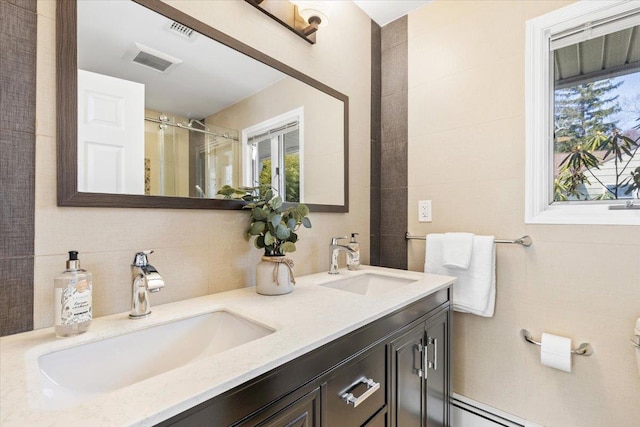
(140, 260)
(334, 240)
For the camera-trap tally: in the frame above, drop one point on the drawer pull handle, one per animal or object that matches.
(372, 387)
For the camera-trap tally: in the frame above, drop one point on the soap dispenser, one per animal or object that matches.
(73, 311)
(353, 262)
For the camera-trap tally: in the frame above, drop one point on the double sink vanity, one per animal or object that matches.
(368, 347)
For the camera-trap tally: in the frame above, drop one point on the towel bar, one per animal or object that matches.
(524, 240)
(584, 349)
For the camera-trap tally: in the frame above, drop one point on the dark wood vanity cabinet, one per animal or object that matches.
(420, 371)
(393, 372)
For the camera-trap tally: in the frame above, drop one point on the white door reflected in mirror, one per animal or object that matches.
(110, 134)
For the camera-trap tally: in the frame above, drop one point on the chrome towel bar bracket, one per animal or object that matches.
(524, 240)
(585, 349)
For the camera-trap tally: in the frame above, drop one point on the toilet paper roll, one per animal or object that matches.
(556, 352)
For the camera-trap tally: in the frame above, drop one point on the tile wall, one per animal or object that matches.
(392, 171)
(17, 163)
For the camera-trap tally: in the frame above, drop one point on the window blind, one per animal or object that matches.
(277, 131)
(594, 29)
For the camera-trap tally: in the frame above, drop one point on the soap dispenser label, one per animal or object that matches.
(73, 305)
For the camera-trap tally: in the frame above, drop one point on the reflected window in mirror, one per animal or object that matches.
(274, 155)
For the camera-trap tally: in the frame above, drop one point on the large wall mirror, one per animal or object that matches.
(157, 109)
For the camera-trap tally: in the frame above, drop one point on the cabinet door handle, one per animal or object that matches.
(417, 359)
(433, 364)
(372, 387)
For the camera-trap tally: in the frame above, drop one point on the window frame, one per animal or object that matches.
(274, 122)
(539, 120)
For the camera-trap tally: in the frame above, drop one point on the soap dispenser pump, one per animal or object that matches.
(353, 262)
(73, 311)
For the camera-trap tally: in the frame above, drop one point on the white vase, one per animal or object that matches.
(274, 275)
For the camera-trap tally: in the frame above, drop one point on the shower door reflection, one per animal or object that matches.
(215, 160)
(166, 159)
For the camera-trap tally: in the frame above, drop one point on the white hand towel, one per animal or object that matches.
(457, 249)
(475, 288)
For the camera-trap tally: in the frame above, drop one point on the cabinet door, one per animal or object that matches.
(437, 370)
(407, 370)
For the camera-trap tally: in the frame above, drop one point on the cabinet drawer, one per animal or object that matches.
(357, 390)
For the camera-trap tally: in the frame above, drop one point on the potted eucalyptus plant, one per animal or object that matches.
(274, 228)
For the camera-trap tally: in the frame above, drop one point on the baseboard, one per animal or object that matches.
(487, 415)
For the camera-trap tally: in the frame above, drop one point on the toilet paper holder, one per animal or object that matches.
(585, 349)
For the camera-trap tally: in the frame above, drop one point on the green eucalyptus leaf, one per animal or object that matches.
(259, 242)
(270, 228)
(269, 239)
(303, 210)
(282, 232)
(275, 220)
(259, 213)
(306, 222)
(276, 202)
(288, 247)
(292, 223)
(293, 237)
(257, 228)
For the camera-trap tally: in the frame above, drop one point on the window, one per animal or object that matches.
(583, 114)
(273, 155)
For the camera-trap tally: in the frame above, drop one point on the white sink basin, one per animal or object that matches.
(370, 284)
(74, 374)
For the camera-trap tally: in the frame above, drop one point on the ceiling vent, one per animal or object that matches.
(182, 30)
(151, 58)
(151, 61)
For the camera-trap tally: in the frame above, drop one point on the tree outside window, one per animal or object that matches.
(597, 139)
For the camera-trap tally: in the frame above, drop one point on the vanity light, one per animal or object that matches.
(314, 13)
(300, 16)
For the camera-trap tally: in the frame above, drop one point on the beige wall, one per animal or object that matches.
(197, 251)
(466, 153)
(323, 137)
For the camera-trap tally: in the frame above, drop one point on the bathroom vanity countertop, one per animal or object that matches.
(303, 320)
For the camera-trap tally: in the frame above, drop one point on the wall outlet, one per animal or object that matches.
(424, 211)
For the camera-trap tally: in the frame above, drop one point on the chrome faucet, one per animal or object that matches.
(145, 279)
(353, 257)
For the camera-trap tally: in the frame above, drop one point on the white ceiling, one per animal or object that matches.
(108, 31)
(386, 11)
(210, 77)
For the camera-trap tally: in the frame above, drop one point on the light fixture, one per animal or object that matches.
(314, 13)
(300, 16)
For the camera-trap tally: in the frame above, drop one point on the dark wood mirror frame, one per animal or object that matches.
(67, 117)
